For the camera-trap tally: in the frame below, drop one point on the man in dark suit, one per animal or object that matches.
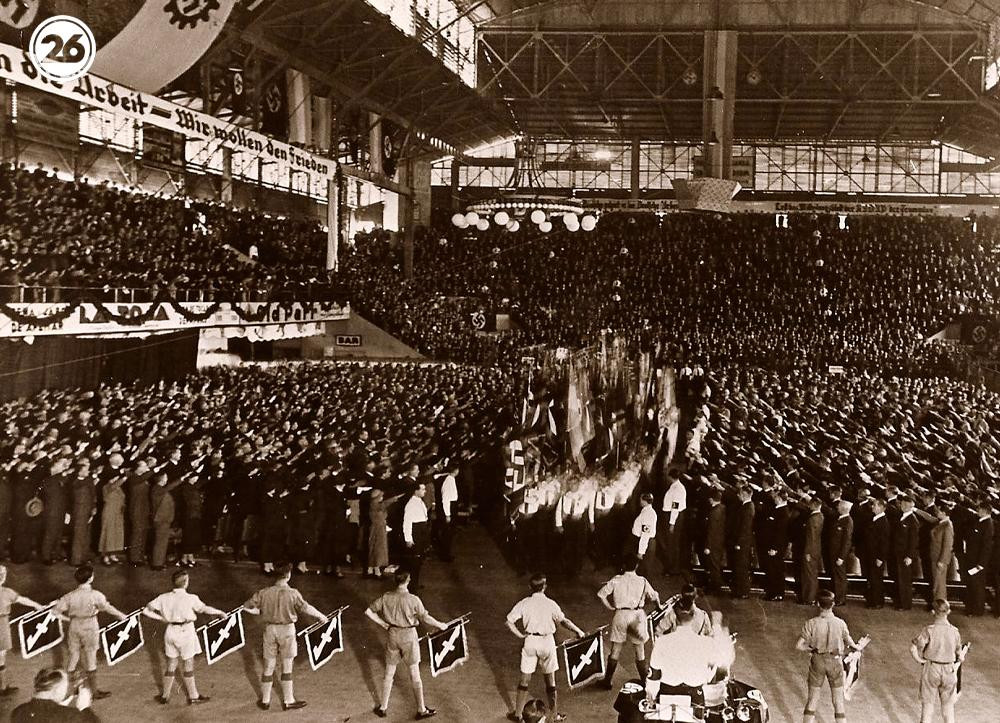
(742, 543)
(840, 543)
(812, 549)
(715, 541)
(862, 515)
(773, 533)
(976, 560)
(905, 548)
(876, 552)
(831, 514)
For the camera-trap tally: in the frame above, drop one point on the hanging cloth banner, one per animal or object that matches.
(162, 41)
(96, 92)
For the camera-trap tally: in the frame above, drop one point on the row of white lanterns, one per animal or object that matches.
(502, 218)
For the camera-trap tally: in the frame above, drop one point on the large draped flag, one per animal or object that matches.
(579, 424)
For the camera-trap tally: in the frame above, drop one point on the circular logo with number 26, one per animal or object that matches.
(62, 48)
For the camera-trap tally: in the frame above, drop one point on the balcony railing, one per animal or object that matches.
(122, 295)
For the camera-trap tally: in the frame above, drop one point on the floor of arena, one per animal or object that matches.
(481, 583)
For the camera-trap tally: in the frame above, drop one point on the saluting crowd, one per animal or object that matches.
(312, 463)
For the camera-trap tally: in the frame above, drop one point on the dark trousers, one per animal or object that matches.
(668, 542)
(875, 592)
(904, 585)
(741, 572)
(443, 531)
(713, 565)
(774, 575)
(839, 578)
(810, 580)
(975, 592)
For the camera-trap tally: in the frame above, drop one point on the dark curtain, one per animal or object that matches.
(64, 361)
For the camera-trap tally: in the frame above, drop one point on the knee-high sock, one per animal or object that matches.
(168, 682)
(92, 680)
(390, 673)
(287, 693)
(522, 698)
(553, 696)
(189, 684)
(266, 683)
(643, 667)
(612, 667)
(418, 691)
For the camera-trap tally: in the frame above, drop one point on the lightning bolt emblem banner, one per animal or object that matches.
(584, 659)
(448, 648)
(38, 631)
(324, 639)
(222, 637)
(122, 639)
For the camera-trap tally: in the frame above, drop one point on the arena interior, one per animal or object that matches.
(450, 295)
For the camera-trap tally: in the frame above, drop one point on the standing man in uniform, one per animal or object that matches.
(774, 545)
(942, 544)
(938, 649)
(812, 549)
(539, 615)
(80, 607)
(976, 560)
(179, 609)
(672, 520)
(827, 639)
(54, 500)
(877, 540)
(643, 528)
(9, 598)
(627, 595)
(742, 544)
(840, 538)
(279, 607)
(399, 612)
(715, 541)
(416, 531)
(905, 548)
(84, 500)
(137, 482)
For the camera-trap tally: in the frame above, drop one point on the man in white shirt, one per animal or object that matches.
(415, 534)
(682, 657)
(643, 530)
(443, 520)
(671, 532)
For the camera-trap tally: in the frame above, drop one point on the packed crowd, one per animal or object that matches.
(715, 290)
(306, 462)
(80, 240)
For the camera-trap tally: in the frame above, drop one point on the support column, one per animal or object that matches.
(322, 123)
(719, 102)
(636, 156)
(407, 221)
(333, 223)
(299, 107)
(226, 191)
(456, 200)
(374, 143)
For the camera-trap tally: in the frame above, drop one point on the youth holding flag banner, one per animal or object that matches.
(448, 648)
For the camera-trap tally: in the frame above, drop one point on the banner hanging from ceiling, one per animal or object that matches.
(162, 41)
(97, 92)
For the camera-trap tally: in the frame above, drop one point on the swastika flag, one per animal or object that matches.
(221, 637)
(448, 648)
(38, 632)
(324, 640)
(584, 659)
(122, 638)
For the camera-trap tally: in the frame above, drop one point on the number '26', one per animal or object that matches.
(69, 51)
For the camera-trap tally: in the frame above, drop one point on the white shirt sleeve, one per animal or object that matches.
(409, 517)
(675, 501)
(449, 494)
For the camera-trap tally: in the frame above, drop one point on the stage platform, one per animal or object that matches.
(481, 583)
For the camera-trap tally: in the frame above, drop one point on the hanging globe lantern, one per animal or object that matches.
(513, 226)
(459, 220)
(571, 219)
(538, 217)
(472, 218)
(588, 223)
(502, 218)
(482, 224)
(545, 226)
